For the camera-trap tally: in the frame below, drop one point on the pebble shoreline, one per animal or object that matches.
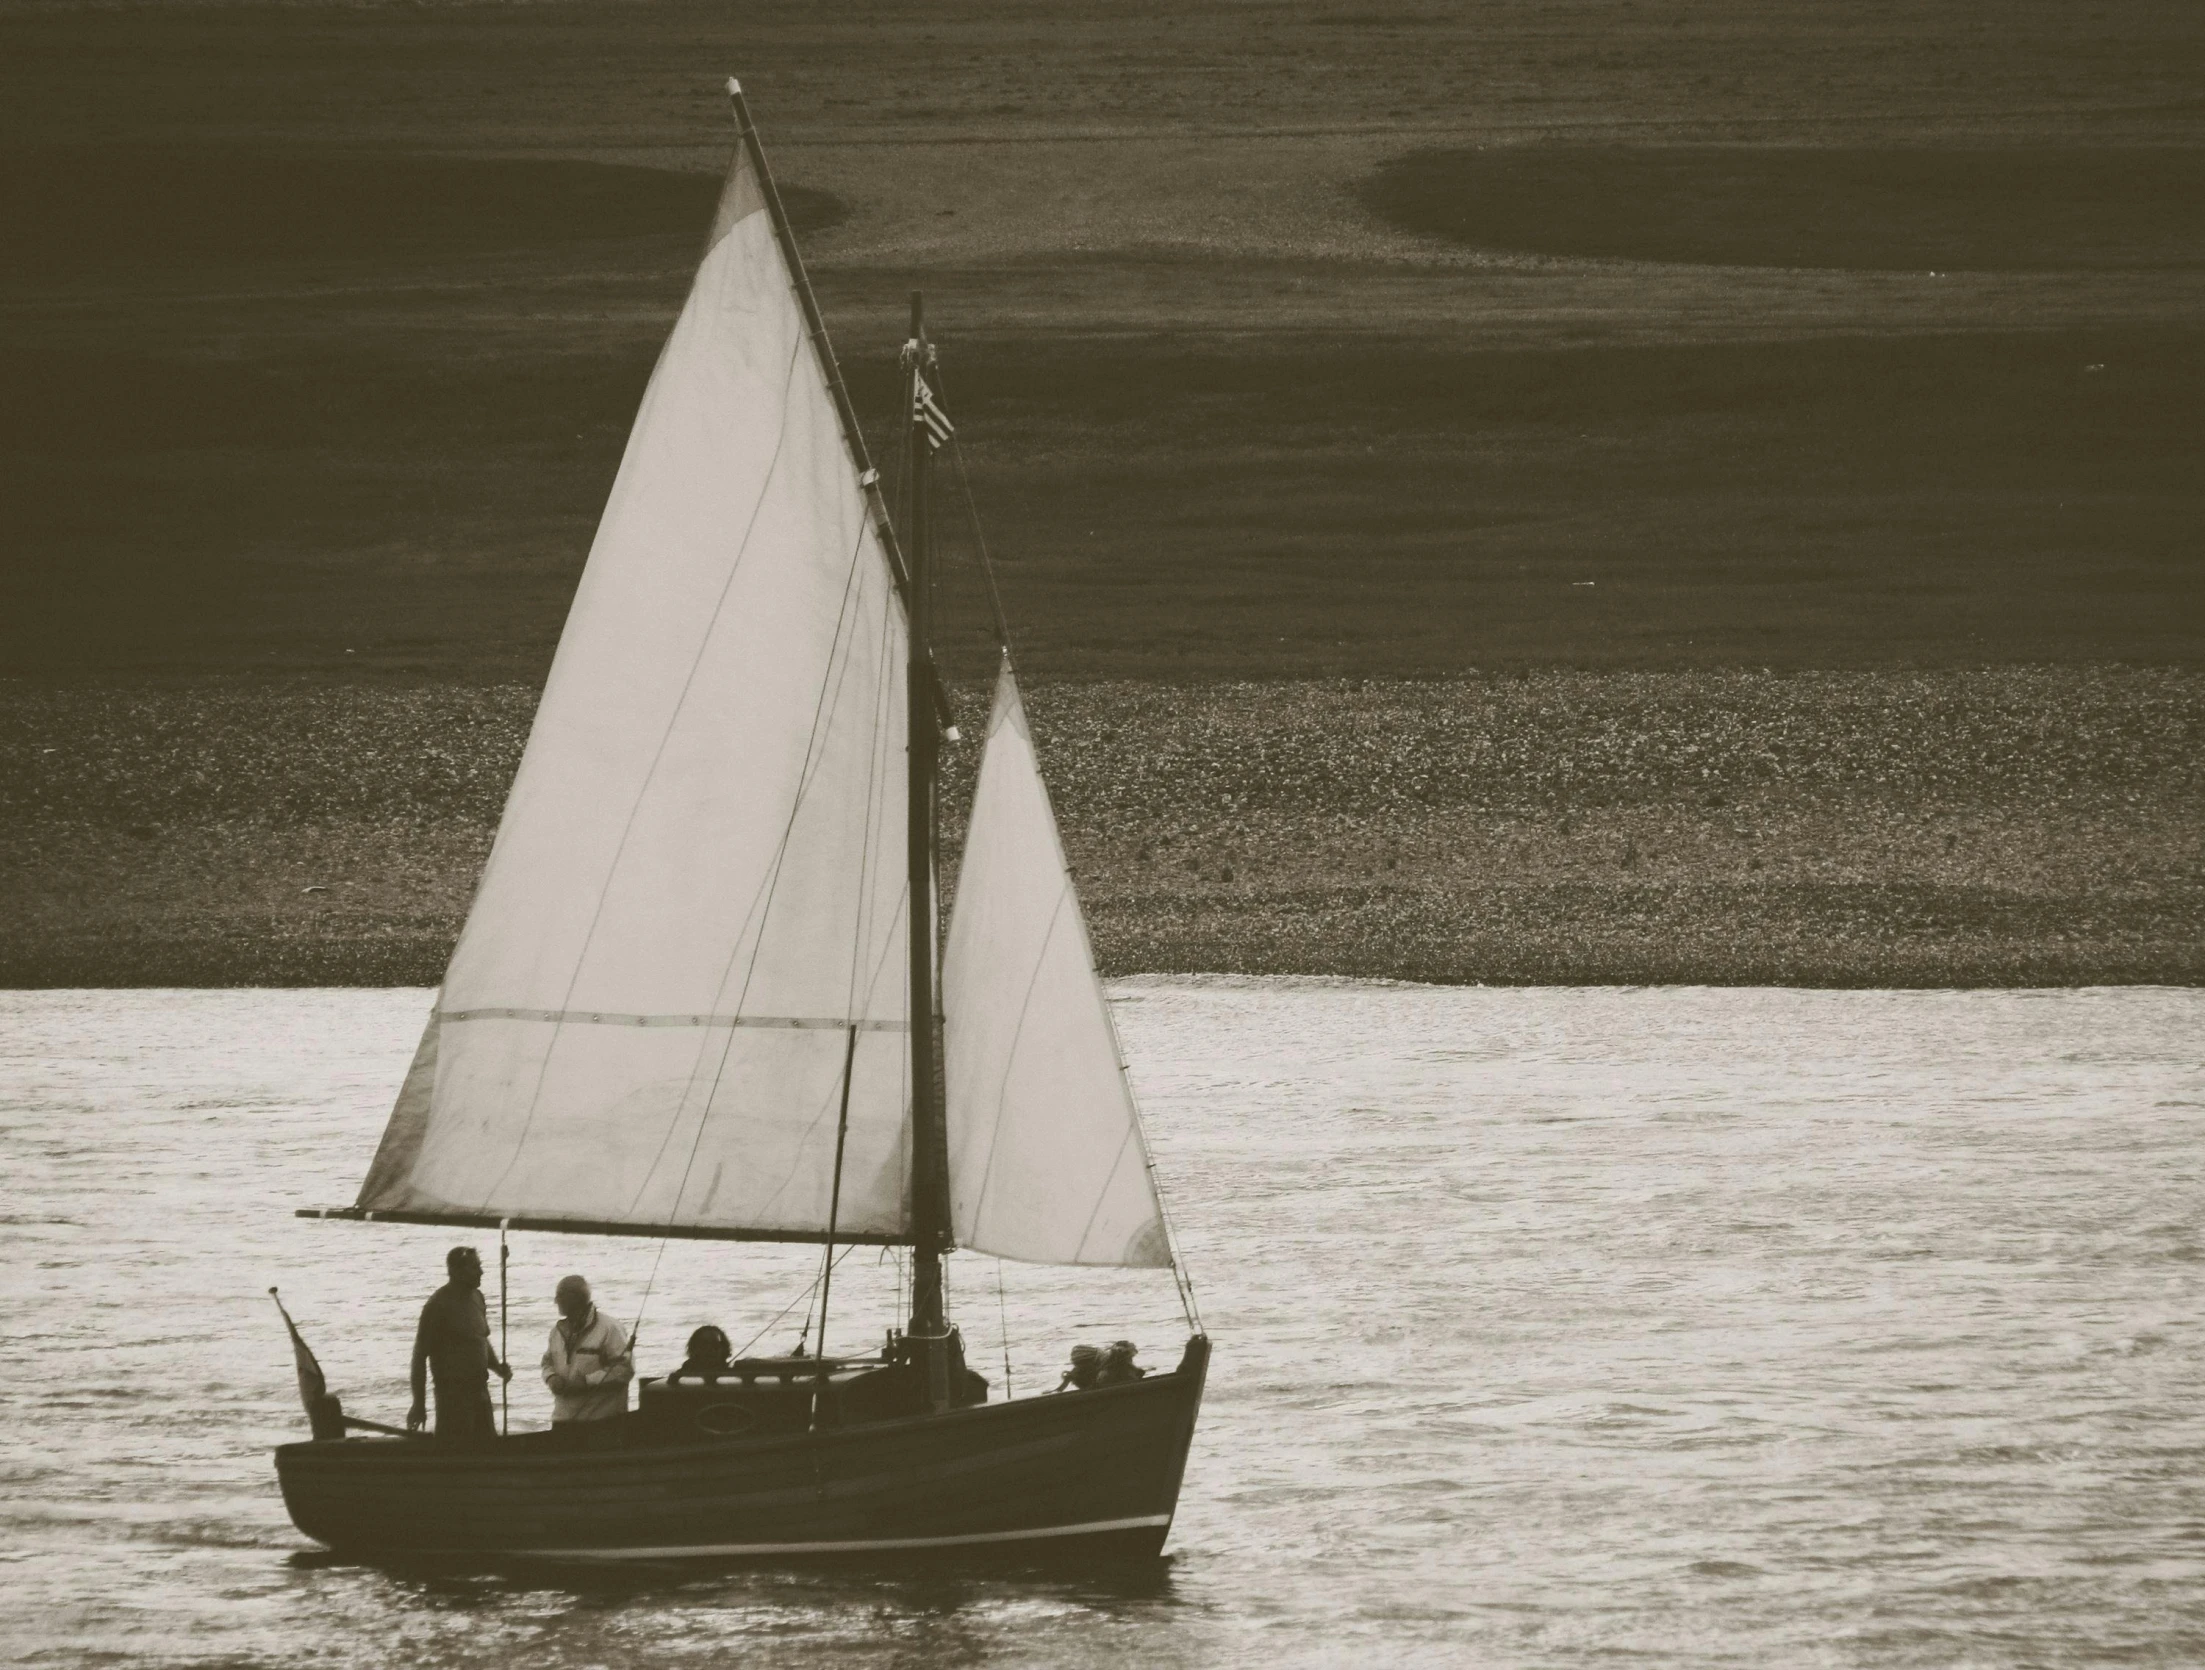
(1995, 827)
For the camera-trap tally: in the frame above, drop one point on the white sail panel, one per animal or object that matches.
(1047, 1162)
(696, 897)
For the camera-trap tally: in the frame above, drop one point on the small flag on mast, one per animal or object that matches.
(927, 412)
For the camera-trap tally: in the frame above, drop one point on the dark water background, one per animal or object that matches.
(1553, 1328)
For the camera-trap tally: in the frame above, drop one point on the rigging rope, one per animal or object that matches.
(980, 543)
(1182, 1279)
(785, 1309)
(635, 1328)
(830, 679)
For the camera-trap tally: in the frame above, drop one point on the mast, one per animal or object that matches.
(930, 1219)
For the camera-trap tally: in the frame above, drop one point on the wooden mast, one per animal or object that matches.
(930, 1223)
(928, 709)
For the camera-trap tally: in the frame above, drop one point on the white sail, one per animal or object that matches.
(696, 898)
(1047, 1162)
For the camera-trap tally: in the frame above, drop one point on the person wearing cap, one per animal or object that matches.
(1118, 1367)
(587, 1361)
(1087, 1361)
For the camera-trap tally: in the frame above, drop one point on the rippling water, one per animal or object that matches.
(1552, 1327)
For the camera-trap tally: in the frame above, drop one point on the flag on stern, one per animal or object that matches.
(927, 412)
(323, 1413)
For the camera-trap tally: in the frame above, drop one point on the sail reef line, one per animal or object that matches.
(581, 1017)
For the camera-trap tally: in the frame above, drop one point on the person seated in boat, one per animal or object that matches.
(1118, 1367)
(587, 1363)
(451, 1346)
(1087, 1363)
(709, 1355)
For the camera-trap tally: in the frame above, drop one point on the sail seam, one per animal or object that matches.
(1102, 1195)
(673, 718)
(835, 676)
(1010, 1060)
(593, 1017)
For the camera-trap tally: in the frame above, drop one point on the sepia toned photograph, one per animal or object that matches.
(1247, 834)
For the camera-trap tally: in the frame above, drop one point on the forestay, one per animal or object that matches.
(1047, 1159)
(696, 895)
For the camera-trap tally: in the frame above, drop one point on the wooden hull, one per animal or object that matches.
(1096, 1472)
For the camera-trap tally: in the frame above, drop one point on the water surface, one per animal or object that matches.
(1553, 1327)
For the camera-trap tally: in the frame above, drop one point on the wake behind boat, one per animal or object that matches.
(700, 994)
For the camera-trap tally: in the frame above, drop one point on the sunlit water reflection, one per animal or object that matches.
(1722, 1327)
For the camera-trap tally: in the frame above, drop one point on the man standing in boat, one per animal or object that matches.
(452, 1347)
(587, 1362)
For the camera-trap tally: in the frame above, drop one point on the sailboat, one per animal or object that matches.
(702, 993)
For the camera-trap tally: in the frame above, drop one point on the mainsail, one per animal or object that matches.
(1046, 1156)
(692, 926)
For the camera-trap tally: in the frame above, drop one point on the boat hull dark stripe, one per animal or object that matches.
(1101, 1466)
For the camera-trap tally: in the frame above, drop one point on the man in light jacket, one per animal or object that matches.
(586, 1364)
